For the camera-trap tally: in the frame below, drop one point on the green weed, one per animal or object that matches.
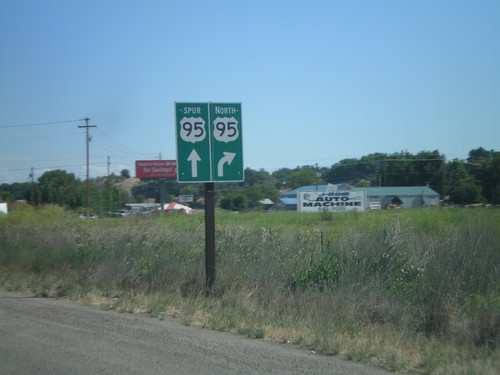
(362, 284)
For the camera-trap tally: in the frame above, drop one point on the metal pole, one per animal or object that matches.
(209, 237)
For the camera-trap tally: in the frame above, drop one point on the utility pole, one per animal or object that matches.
(87, 141)
(33, 187)
(107, 209)
(318, 175)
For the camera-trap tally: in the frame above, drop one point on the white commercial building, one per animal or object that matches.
(343, 197)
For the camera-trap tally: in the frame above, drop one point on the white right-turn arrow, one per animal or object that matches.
(227, 158)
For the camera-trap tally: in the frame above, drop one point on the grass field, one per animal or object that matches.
(411, 291)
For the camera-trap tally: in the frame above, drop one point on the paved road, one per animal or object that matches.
(52, 336)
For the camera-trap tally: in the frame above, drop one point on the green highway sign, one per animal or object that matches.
(209, 142)
(227, 147)
(193, 142)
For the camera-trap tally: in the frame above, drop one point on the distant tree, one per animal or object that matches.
(238, 198)
(60, 187)
(486, 171)
(226, 203)
(125, 173)
(240, 202)
(105, 198)
(345, 171)
(234, 200)
(303, 176)
(466, 193)
(479, 155)
(362, 183)
(397, 169)
(253, 177)
(152, 190)
(261, 191)
(367, 168)
(427, 169)
(461, 187)
(20, 190)
(147, 190)
(7, 196)
(282, 178)
(404, 169)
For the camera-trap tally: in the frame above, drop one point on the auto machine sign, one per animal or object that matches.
(336, 201)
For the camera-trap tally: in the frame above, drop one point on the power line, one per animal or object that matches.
(51, 160)
(38, 137)
(339, 164)
(49, 167)
(118, 146)
(39, 124)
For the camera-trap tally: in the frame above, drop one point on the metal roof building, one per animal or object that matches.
(376, 197)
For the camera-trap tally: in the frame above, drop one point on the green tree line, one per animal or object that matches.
(62, 188)
(473, 180)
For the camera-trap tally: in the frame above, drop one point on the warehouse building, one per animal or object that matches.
(343, 197)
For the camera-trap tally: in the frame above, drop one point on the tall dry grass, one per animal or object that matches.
(413, 290)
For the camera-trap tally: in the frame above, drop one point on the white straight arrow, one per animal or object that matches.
(194, 158)
(227, 158)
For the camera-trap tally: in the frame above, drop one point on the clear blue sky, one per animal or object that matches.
(319, 81)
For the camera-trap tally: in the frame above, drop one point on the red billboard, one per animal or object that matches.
(156, 169)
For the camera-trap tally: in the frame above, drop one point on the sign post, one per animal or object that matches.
(209, 149)
(209, 236)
